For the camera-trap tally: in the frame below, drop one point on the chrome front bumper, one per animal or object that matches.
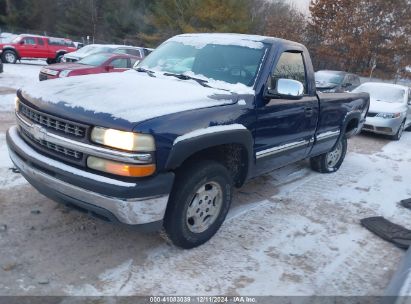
(132, 211)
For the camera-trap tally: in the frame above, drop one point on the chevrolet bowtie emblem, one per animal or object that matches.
(38, 132)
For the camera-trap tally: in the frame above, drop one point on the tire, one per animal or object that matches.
(331, 161)
(10, 57)
(399, 132)
(200, 189)
(58, 58)
(50, 61)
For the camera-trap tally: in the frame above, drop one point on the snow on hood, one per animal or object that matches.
(377, 106)
(131, 95)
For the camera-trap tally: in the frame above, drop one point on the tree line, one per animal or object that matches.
(354, 35)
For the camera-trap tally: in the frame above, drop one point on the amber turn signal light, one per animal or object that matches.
(121, 169)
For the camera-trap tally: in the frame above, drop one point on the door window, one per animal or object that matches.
(29, 41)
(40, 41)
(120, 63)
(290, 66)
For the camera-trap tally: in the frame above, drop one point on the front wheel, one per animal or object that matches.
(59, 58)
(50, 61)
(399, 132)
(198, 204)
(9, 57)
(331, 161)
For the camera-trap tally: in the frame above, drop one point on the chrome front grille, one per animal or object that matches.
(51, 122)
(57, 149)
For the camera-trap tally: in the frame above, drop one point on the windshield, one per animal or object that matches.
(95, 60)
(229, 63)
(17, 39)
(384, 93)
(93, 49)
(328, 77)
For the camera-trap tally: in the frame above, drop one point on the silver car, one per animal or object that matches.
(390, 108)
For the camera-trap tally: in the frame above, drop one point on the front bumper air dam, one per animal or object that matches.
(383, 126)
(131, 211)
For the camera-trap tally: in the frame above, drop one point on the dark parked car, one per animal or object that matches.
(336, 81)
(166, 143)
(93, 64)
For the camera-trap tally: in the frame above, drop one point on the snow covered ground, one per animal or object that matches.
(291, 232)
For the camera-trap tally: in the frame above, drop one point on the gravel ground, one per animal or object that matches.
(291, 232)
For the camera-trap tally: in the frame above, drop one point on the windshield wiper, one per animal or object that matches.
(186, 77)
(149, 73)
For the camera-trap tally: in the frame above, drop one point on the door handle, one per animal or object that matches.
(309, 112)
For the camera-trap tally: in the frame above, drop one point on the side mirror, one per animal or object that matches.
(21, 42)
(288, 88)
(109, 67)
(347, 85)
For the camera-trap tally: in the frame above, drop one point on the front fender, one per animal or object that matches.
(194, 142)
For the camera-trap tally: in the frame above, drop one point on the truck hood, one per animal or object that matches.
(377, 106)
(132, 97)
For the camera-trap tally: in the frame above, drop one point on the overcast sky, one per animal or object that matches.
(300, 4)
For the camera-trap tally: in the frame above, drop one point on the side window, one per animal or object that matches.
(29, 41)
(356, 81)
(120, 51)
(40, 41)
(290, 66)
(133, 62)
(134, 52)
(120, 63)
(347, 80)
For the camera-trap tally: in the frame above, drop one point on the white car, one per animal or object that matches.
(105, 48)
(390, 108)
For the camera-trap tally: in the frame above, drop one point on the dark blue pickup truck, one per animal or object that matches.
(165, 143)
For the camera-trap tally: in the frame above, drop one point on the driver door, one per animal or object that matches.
(29, 47)
(285, 126)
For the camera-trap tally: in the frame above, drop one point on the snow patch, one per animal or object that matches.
(209, 130)
(201, 40)
(7, 102)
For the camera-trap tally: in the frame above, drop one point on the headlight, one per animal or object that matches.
(389, 115)
(123, 140)
(64, 73)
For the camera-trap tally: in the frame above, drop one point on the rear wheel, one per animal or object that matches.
(10, 56)
(59, 58)
(330, 162)
(198, 204)
(399, 132)
(50, 61)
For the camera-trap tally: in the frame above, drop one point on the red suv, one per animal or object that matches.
(32, 46)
